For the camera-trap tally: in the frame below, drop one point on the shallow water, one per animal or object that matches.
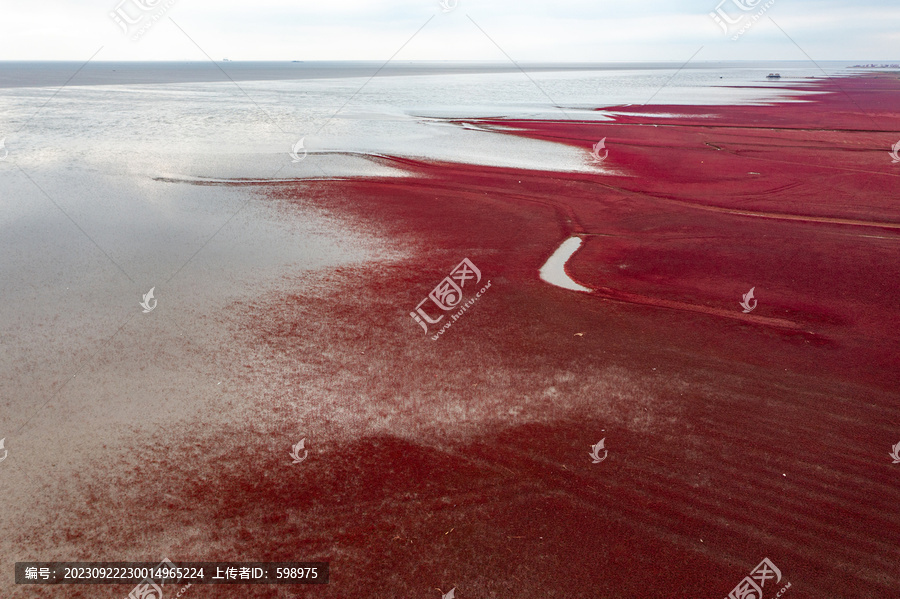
(246, 128)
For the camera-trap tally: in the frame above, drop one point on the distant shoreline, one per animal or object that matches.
(14, 74)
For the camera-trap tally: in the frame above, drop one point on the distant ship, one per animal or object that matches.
(226, 60)
(773, 76)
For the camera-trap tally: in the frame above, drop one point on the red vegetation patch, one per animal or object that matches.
(732, 437)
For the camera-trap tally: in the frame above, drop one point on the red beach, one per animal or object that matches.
(732, 435)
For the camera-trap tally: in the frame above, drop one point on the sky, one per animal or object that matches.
(491, 30)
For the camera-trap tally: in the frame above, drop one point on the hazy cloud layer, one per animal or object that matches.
(526, 30)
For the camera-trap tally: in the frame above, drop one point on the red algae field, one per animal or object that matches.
(465, 462)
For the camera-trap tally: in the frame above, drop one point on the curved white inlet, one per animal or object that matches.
(554, 270)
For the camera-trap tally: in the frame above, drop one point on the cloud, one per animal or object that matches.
(526, 30)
